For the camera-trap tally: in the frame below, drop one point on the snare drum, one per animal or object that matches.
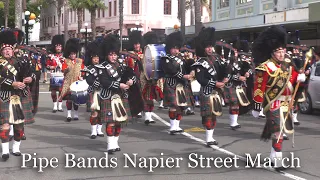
(79, 93)
(56, 79)
(151, 62)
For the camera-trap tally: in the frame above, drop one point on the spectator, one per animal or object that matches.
(44, 69)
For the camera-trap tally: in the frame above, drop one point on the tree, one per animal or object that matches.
(120, 21)
(79, 6)
(18, 13)
(6, 12)
(183, 16)
(197, 12)
(93, 6)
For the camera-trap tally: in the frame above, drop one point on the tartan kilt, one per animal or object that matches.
(35, 95)
(205, 106)
(89, 101)
(230, 95)
(189, 94)
(55, 88)
(272, 124)
(106, 110)
(27, 105)
(169, 95)
(4, 112)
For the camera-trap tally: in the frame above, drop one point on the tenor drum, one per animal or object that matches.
(56, 79)
(79, 93)
(151, 62)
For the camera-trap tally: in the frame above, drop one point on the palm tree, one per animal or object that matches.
(120, 21)
(183, 16)
(6, 13)
(93, 6)
(59, 6)
(18, 11)
(190, 6)
(78, 5)
(197, 12)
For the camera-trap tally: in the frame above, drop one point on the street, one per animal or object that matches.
(55, 149)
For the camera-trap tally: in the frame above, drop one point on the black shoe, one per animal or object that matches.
(285, 138)
(24, 137)
(179, 131)
(146, 122)
(69, 119)
(296, 123)
(100, 135)
(117, 149)
(5, 157)
(111, 151)
(212, 143)
(76, 119)
(172, 132)
(139, 116)
(93, 136)
(152, 122)
(17, 154)
(60, 110)
(54, 111)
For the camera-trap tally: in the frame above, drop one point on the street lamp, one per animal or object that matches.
(86, 35)
(29, 21)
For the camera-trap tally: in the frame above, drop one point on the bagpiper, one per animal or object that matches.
(115, 79)
(54, 64)
(273, 88)
(12, 86)
(94, 89)
(71, 68)
(134, 61)
(210, 73)
(176, 81)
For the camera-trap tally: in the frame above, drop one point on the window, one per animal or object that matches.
(317, 72)
(167, 7)
(110, 9)
(135, 6)
(115, 8)
(243, 1)
(223, 4)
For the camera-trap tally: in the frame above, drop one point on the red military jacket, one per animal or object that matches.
(274, 83)
(55, 60)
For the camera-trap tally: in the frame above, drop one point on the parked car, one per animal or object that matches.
(313, 93)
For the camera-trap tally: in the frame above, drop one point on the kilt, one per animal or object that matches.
(230, 95)
(35, 95)
(205, 106)
(272, 124)
(106, 110)
(169, 95)
(27, 105)
(89, 101)
(55, 88)
(189, 94)
(4, 112)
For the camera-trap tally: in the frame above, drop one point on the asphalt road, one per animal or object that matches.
(62, 149)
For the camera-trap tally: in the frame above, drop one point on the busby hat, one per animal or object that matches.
(57, 40)
(270, 40)
(204, 39)
(93, 49)
(110, 44)
(72, 46)
(7, 39)
(150, 38)
(174, 39)
(135, 37)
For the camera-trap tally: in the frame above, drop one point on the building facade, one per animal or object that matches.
(246, 18)
(145, 15)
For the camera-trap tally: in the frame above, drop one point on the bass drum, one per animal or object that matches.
(151, 62)
(79, 93)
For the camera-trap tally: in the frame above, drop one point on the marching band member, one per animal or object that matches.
(115, 79)
(93, 90)
(11, 87)
(150, 90)
(210, 73)
(36, 68)
(176, 81)
(136, 42)
(54, 64)
(273, 88)
(235, 88)
(294, 49)
(71, 68)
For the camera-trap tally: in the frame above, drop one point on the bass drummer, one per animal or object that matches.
(71, 68)
(54, 64)
(150, 90)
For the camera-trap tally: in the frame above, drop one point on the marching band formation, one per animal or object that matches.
(267, 77)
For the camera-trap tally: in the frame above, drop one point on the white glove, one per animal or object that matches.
(301, 77)
(255, 113)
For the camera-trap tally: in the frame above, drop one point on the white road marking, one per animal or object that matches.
(226, 151)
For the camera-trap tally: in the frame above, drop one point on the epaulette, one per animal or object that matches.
(262, 66)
